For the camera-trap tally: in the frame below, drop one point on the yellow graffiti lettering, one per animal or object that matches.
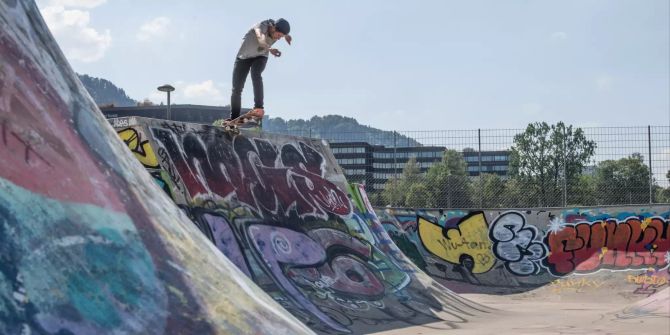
(652, 280)
(470, 238)
(141, 149)
(559, 285)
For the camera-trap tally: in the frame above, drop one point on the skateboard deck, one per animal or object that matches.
(251, 119)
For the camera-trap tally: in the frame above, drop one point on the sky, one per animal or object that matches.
(394, 65)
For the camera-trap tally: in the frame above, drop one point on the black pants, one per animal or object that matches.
(240, 72)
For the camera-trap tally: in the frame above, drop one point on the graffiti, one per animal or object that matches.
(650, 281)
(85, 246)
(268, 179)
(282, 247)
(402, 240)
(519, 245)
(160, 180)
(283, 216)
(167, 166)
(559, 285)
(378, 236)
(466, 244)
(140, 147)
(26, 146)
(610, 244)
(514, 243)
(120, 123)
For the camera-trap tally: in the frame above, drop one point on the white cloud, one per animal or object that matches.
(154, 28)
(72, 31)
(204, 93)
(604, 82)
(559, 35)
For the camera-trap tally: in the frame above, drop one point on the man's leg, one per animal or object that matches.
(257, 68)
(240, 72)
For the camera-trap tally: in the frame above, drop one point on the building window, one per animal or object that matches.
(354, 171)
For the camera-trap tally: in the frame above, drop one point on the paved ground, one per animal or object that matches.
(521, 315)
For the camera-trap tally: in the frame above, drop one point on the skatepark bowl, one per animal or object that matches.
(145, 226)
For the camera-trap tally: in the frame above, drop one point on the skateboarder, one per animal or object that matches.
(252, 56)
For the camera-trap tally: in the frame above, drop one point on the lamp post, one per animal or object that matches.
(167, 88)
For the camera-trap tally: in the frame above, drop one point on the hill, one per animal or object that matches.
(104, 92)
(337, 128)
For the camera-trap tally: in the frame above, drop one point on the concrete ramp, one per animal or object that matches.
(280, 208)
(88, 244)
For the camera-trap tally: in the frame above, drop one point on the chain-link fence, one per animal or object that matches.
(495, 168)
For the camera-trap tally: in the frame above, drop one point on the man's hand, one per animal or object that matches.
(288, 39)
(275, 52)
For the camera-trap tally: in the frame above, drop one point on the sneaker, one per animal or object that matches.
(258, 112)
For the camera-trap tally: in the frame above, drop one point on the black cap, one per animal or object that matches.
(282, 26)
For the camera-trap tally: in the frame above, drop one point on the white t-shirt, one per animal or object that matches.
(257, 41)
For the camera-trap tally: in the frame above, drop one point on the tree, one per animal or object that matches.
(417, 196)
(393, 194)
(491, 190)
(663, 194)
(145, 103)
(406, 191)
(585, 193)
(622, 181)
(448, 183)
(543, 156)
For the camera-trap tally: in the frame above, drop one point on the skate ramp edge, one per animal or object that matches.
(280, 208)
(88, 245)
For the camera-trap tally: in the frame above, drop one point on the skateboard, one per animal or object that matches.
(251, 119)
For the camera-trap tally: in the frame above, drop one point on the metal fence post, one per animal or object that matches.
(395, 149)
(565, 170)
(651, 173)
(481, 185)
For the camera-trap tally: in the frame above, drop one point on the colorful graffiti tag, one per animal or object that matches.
(516, 244)
(590, 246)
(140, 147)
(465, 243)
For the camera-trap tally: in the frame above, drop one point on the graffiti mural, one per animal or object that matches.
(280, 209)
(530, 249)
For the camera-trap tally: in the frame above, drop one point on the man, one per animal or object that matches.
(252, 56)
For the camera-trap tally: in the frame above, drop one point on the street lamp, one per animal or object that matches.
(167, 88)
